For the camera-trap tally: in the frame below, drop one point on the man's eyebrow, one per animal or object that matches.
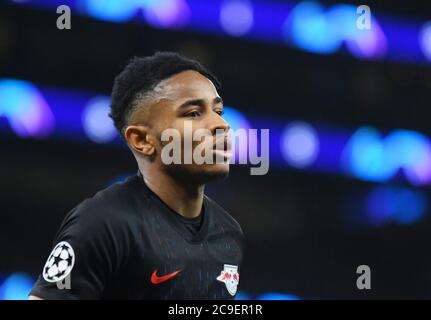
(200, 102)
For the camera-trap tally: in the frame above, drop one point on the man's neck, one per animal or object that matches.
(182, 197)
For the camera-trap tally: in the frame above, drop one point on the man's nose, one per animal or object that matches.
(219, 125)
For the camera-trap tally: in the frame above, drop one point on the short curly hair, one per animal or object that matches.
(141, 75)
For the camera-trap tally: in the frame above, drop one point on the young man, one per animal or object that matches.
(156, 235)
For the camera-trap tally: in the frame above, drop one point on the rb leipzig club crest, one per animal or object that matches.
(230, 277)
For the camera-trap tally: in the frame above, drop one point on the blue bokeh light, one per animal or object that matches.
(307, 25)
(395, 204)
(110, 10)
(300, 144)
(370, 156)
(364, 156)
(236, 17)
(277, 296)
(308, 28)
(96, 122)
(25, 108)
(17, 286)
(364, 153)
(236, 119)
(173, 14)
(425, 40)
(314, 29)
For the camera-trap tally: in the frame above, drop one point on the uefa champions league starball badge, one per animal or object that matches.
(60, 262)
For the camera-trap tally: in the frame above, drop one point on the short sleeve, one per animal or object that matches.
(86, 254)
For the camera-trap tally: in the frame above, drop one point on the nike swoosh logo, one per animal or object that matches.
(156, 279)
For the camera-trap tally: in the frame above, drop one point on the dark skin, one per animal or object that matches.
(189, 97)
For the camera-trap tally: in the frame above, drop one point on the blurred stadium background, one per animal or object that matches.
(348, 112)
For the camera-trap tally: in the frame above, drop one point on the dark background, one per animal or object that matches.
(298, 241)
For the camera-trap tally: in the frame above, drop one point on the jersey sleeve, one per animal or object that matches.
(87, 252)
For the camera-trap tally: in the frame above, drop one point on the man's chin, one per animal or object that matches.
(205, 173)
(201, 174)
(216, 171)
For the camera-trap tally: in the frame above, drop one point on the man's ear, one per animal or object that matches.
(140, 140)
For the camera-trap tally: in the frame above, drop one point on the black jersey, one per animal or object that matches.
(126, 243)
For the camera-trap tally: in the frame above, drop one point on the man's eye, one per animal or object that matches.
(220, 112)
(193, 114)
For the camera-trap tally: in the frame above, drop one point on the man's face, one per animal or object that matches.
(188, 102)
